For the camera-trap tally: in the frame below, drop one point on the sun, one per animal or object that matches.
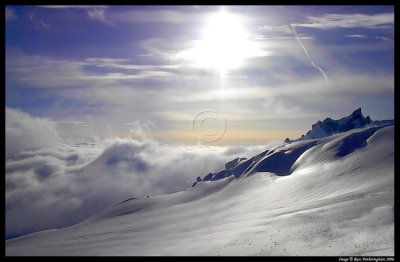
(224, 44)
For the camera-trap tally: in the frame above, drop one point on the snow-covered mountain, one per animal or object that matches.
(329, 126)
(331, 195)
(279, 163)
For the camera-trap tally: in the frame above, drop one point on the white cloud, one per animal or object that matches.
(299, 36)
(120, 63)
(278, 28)
(50, 187)
(47, 72)
(94, 12)
(374, 93)
(38, 21)
(351, 85)
(74, 6)
(298, 98)
(98, 14)
(73, 123)
(162, 16)
(356, 36)
(24, 132)
(382, 38)
(328, 21)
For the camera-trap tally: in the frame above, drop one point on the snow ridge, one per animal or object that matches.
(329, 126)
(280, 161)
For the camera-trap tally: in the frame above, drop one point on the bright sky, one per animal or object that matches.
(269, 72)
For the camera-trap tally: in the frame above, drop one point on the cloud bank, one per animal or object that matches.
(27, 133)
(51, 183)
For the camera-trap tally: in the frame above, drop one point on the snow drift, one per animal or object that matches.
(332, 195)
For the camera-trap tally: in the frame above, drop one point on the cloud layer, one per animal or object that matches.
(50, 185)
(27, 133)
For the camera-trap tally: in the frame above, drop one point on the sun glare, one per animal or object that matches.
(224, 44)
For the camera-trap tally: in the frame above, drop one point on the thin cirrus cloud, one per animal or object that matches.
(121, 63)
(128, 95)
(96, 12)
(356, 36)
(329, 21)
(74, 6)
(382, 38)
(159, 16)
(126, 15)
(277, 28)
(38, 21)
(365, 36)
(49, 72)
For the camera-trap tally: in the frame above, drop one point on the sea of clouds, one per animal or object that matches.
(52, 182)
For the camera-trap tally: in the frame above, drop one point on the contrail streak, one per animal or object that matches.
(308, 55)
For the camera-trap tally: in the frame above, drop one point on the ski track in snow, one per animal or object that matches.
(335, 199)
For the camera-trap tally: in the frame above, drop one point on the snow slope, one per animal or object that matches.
(327, 196)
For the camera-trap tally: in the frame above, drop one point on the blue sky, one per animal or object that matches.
(270, 71)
